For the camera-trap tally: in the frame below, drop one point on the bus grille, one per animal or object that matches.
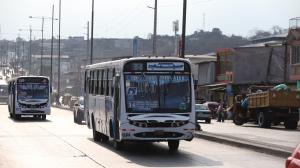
(32, 106)
(158, 135)
(28, 111)
(154, 123)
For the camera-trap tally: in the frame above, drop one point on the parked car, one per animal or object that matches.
(213, 107)
(294, 160)
(203, 113)
(78, 112)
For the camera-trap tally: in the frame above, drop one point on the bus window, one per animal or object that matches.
(94, 81)
(85, 81)
(112, 83)
(97, 83)
(104, 78)
(107, 82)
(101, 83)
(90, 82)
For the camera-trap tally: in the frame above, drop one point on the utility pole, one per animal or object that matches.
(154, 29)
(30, 41)
(175, 28)
(51, 53)
(42, 50)
(22, 59)
(92, 33)
(58, 72)
(87, 42)
(183, 30)
(30, 54)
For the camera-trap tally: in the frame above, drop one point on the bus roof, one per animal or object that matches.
(125, 60)
(15, 78)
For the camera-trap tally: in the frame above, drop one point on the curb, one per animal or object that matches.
(272, 149)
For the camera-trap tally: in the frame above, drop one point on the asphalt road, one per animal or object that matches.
(58, 142)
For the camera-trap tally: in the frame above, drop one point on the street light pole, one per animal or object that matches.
(183, 30)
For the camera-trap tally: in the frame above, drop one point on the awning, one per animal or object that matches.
(216, 85)
(218, 89)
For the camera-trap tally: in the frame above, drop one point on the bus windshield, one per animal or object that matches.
(158, 93)
(29, 91)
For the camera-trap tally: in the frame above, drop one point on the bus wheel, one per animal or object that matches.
(43, 117)
(104, 138)
(96, 135)
(173, 145)
(118, 145)
(17, 116)
(74, 117)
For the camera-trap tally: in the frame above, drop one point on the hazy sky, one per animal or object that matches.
(129, 18)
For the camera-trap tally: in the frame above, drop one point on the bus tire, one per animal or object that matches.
(96, 135)
(118, 145)
(104, 138)
(43, 117)
(74, 117)
(17, 116)
(173, 145)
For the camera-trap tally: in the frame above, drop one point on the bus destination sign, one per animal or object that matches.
(165, 66)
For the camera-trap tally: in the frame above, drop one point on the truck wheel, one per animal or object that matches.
(237, 120)
(290, 123)
(264, 120)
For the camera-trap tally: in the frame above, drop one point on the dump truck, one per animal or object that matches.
(268, 107)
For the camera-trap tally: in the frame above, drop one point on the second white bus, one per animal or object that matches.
(140, 99)
(29, 95)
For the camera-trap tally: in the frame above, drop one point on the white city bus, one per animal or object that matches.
(29, 95)
(140, 99)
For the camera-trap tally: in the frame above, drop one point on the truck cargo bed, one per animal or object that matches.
(274, 99)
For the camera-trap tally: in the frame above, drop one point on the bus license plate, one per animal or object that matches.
(158, 133)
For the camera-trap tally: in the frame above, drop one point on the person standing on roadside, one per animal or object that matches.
(220, 112)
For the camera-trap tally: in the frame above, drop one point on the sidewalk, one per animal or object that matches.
(276, 140)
